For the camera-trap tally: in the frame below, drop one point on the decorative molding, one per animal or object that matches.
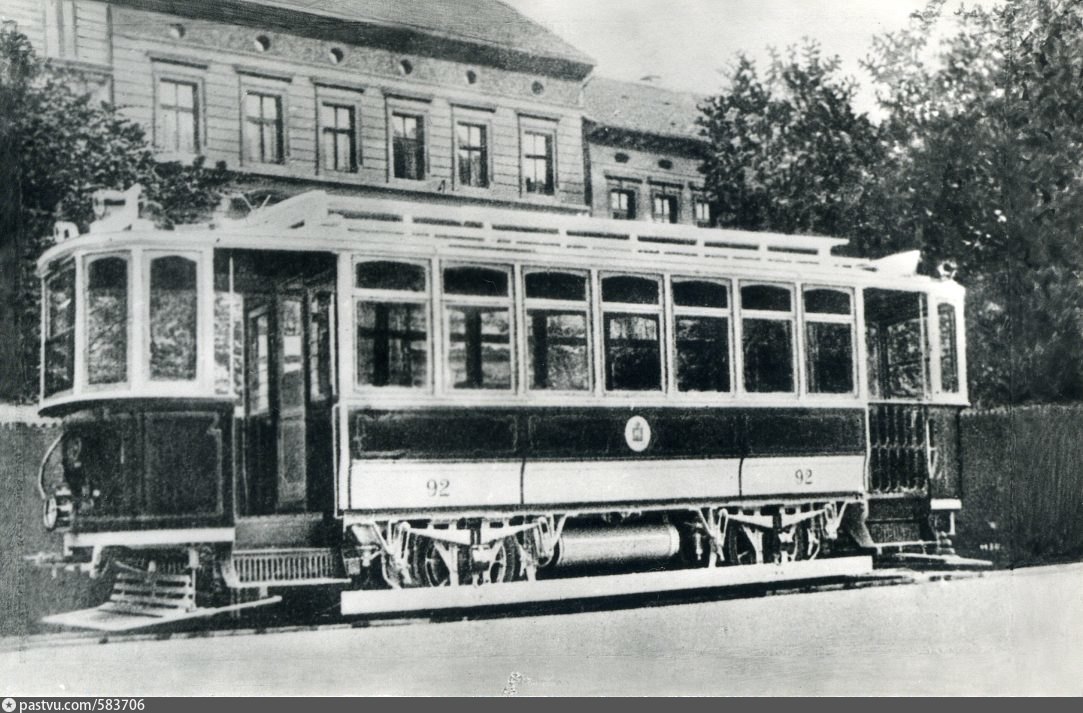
(473, 106)
(176, 59)
(262, 73)
(406, 95)
(339, 84)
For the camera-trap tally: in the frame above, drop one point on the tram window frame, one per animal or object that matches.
(687, 311)
(612, 309)
(196, 258)
(451, 301)
(128, 363)
(950, 381)
(422, 298)
(785, 316)
(533, 305)
(63, 270)
(810, 318)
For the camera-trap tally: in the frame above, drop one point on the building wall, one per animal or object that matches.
(615, 164)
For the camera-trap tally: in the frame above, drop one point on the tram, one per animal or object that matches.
(417, 406)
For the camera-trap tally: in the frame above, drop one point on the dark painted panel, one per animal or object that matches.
(946, 481)
(541, 433)
(805, 432)
(444, 434)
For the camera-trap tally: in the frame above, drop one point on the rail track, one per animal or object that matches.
(254, 625)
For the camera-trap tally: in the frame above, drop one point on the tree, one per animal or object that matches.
(981, 161)
(788, 152)
(57, 147)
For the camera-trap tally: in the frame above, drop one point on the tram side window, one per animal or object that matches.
(173, 316)
(228, 343)
(829, 341)
(767, 338)
(949, 361)
(392, 324)
(701, 323)
(107, 321)
(631, 315)
(60, 330)
(477, 307)
(556, 316)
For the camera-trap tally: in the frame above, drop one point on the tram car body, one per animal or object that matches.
(381, 398)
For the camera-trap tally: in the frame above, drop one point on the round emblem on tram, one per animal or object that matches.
(637, 434)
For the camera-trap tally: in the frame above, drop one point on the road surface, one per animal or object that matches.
(1003, 633)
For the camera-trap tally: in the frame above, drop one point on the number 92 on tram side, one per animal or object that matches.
(415, 407)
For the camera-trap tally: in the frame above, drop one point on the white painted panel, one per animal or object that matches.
(801, 475)
(395, 484)
(628, 480)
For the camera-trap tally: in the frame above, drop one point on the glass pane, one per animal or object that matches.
(632, 353)
(630, 290)
(107, 321)
(251, 106)
(186, 132)
(768, 354)
(905, 367)
(167, 93)
(700, 293)
(392, 344)
(556, 286)
(823, 301)
(319, 347)
(186, 96)
(259, 395)
(703, 354)
(386, 275)
(228, 343)
(830, 358)
(60, 341)
(479, 281)
(173, 309)
(557, 356)
(479, 353)
(344, 152)
(949, 364)
(169, 139)
(765, 297)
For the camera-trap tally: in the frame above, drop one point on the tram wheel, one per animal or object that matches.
(428, 566)
(505, 565)
(797, 548)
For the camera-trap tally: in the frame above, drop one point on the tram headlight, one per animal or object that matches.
(73, 452)
(56, 511)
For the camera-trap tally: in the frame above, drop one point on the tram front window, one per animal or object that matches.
(632, 315)
(173, 310)
(557, 356)
(897, 343)
(60, 330)
(767, 338)
(478, 308)
(107, 321)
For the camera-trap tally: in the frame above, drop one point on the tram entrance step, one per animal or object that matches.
(387, 601)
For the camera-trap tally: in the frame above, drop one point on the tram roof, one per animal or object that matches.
(316, 220)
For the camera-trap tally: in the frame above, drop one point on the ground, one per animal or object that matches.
(1003, 633)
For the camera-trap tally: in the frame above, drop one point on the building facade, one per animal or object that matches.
(464, 101)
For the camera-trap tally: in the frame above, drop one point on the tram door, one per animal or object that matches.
(289, 398)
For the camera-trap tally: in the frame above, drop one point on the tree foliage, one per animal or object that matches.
(976, 161)
(60, 146)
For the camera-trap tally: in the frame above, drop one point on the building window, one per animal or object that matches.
(392, 324)
(538, 163)
(338, 127)
(829, 341)
(178, 116)
(664, 208)
(702, 341)
(107, 321)
(473, 155)
(632, 315)
(263, 128)
(477, 307)
(409, 146)
(702, 213)
(59, 364)
(60, 32)
(949, 361)
(767, 338)
(173, 318)
(622, 204)
(558, 356)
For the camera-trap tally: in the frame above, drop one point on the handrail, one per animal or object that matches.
(44, 462)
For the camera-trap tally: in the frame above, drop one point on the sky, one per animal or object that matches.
(687, 44)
